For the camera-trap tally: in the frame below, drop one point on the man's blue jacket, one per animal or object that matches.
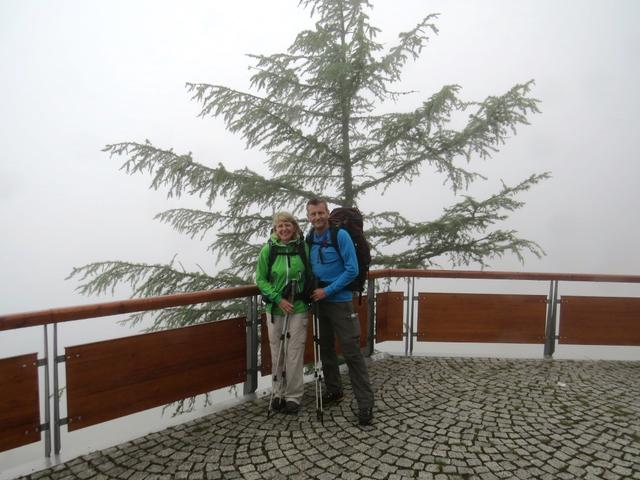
(334, 269)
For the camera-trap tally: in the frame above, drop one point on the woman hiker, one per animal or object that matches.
(280, 276)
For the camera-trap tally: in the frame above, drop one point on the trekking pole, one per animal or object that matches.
(317, 361)
(282, 353)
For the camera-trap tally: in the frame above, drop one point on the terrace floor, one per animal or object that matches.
(435, 418)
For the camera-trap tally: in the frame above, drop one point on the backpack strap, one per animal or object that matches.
(333, 236)
(272, 257)
(334, 240)
(302, 253)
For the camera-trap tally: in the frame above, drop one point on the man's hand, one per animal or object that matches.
(318, 294)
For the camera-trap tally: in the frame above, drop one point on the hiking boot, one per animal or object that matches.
(291, 408)
(365, 416)
(331, 398)
(278, 404)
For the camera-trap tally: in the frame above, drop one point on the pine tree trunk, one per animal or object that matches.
(345, 104)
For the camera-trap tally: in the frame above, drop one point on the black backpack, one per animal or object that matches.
(350, 219)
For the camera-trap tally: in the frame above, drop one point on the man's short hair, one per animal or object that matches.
(318, 201)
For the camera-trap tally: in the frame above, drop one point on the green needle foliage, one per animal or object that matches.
(314, 113)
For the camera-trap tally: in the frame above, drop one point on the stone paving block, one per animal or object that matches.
(623, 472)
(139, 476)
(425, 476)
(609, 475)
(488, 476)
(625, 463)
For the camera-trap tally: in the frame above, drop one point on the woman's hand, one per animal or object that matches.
(286, 306)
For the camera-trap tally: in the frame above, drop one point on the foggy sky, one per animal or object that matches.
(78, 75)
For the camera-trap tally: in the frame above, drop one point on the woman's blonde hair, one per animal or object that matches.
(286, 217)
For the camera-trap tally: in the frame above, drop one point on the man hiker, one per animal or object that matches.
(336, 266)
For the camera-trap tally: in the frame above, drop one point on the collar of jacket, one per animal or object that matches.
(291, 243)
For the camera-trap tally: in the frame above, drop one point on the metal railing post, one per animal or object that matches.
(251, 382)
(411, 310)
(57, 446)
(550, 331)
(47, 400)
(371, 300)
(407, 323)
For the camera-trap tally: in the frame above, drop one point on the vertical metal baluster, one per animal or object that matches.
(550, 330)
(411, 300)
(256, 343)
(47, 400)
(251, 382)
(371, 293)
(56, 399)
(406, 321)
(554, 314)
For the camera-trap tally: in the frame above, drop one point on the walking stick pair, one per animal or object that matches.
(282, 348)
(317, 361)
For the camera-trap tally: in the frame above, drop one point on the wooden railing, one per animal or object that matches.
(112, 378)
(484, 318)
(59, 315)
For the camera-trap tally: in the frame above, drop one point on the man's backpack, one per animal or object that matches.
(350, 219)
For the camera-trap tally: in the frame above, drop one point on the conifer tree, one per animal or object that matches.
(313, 111)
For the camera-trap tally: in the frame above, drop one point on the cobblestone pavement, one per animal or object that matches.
(435, 418)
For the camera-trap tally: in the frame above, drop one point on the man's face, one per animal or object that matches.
(318, 216)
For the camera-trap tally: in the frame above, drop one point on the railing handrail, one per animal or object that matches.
(65, 314)
(495, 275)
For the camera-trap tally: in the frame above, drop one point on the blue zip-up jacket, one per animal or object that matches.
(333, 268)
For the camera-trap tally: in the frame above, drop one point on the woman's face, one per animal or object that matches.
(284, 230)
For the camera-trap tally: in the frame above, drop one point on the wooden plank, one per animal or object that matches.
(110, 379)
(19, 404)
(389, 316)
(599, 320)
(482, 318)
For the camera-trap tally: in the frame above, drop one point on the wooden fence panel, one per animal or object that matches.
(599, 320)
(19, 404)
(482, 318)
(389, 316)
(110, 379)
